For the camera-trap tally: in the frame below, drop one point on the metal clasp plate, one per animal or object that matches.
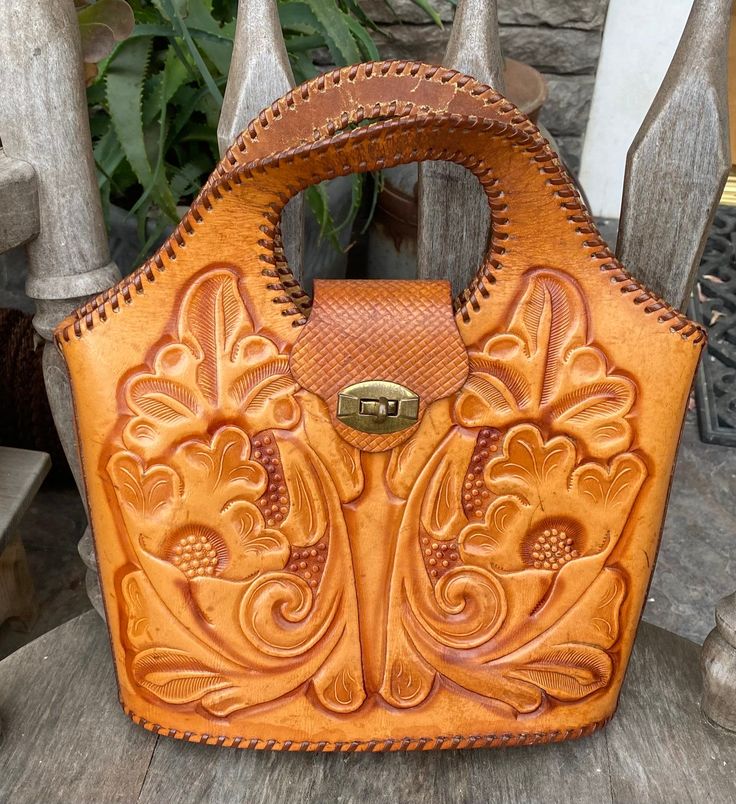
(378, 407)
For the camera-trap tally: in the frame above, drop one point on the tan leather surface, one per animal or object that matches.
(269, 585)
(400, 331)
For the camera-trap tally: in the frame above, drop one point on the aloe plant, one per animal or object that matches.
(155, 99)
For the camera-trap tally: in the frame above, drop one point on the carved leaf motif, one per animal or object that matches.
(249, 384)
(602, 604)
(219, 370)
(511, 383)
(483, 542)
(166, 400)
(567, 672)
(224, 466)
(307, 519)
(442, 511)
(542, 369)
(410, 459)
(408, 687)
(175, 676)
(223, 702)
(529, 463)
(343, 692)
(609, 489)
(601, 400)
(550, 319)
(135, 604)
(340, 458)
(267, 551)
(143, 492)
(213, 319)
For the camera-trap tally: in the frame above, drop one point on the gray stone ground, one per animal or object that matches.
(695, 568)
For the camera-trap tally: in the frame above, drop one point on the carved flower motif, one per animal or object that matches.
(548, 512)
(217, 480)
(542, 369)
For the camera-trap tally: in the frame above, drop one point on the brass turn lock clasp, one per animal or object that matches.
(377, 407)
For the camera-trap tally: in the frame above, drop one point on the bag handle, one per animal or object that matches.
(427, 114)
(530, 197)
(349, 96)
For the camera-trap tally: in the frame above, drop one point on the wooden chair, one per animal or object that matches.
(65, 735)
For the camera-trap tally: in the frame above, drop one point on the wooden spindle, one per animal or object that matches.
(453, 217)
(259, 73)
(678, 163)
(44, 123)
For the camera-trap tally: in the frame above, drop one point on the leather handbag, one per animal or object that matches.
(378, 519)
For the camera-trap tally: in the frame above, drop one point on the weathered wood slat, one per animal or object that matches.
(660, 747)
(453, 220)
(679, 160)
(259, 73)
(17, 595)
(21, 473)
(67, 740)
(18, 202)
(44, 122)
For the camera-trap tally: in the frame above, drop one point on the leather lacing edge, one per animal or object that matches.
(289, 290)
(378, 745)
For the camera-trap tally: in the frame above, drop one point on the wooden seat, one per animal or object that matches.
(66, 732)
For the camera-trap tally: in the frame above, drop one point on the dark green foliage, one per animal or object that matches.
(156, 100)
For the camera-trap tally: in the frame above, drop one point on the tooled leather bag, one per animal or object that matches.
(379, 520)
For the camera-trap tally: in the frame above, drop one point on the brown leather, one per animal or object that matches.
(400, 331)
(268, 584)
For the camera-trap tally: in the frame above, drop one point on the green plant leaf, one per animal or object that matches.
(326, 18)
(216, 40)
(125, 77)
(340, 41)
(298, 16)
(108, 155)
(430, 11)
(367, 46)
(174, 10)
(173, 76)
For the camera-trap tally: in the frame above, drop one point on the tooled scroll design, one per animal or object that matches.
(222, 501)
(504, 580)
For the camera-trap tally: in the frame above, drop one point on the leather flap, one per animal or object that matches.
(393, 330)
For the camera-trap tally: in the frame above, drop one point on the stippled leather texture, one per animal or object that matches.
(269, 584)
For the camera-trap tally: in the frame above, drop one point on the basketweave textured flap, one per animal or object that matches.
(400, 332)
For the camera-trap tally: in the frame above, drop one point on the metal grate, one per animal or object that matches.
(714, 305)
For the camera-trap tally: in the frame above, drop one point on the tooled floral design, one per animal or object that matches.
(227, 536)
(548, 512)
(531, 489)
(218, 494)
(542, 368)
(216, 369)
